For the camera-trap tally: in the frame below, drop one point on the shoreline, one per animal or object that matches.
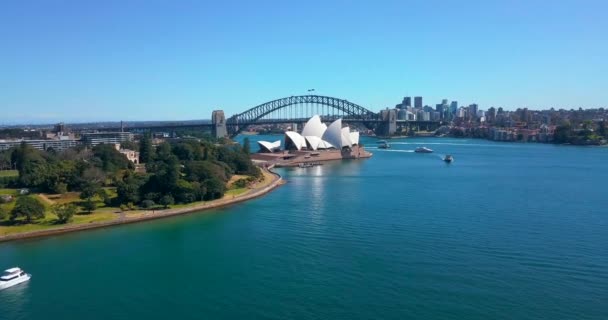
(146, 216)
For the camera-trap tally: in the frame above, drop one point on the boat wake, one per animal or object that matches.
(389, 150)
(449, 144)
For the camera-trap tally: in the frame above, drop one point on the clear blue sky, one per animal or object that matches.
(156, 60)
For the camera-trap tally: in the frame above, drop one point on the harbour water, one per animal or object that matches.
(507, 231)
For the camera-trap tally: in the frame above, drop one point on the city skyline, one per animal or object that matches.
(82, 62)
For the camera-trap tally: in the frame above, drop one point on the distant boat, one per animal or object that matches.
(448, 158)
(13, 276)
(423, 150)
(382, 144)
(309, 164)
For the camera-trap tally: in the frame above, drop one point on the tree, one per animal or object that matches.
(64, 212)
(247, 146)
(89, 205)
(28, 207)
(215, 189)
(146, 151)
(89, 190)
(111, 159)
(166, 200)
(3, 213)
(147, 204)
(562, 133)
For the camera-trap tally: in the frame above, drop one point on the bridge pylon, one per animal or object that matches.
(218, 119)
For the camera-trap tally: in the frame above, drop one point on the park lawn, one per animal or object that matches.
(12, 192)
(234, 192)
(9, 173)
(49, 222)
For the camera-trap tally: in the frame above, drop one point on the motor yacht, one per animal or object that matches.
(382, 144)
(13, 276)
(448, 158)
(423, 150)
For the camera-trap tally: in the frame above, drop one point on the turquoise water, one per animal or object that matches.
(508, 231)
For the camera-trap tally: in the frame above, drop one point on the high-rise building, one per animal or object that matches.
(407, 102)
(439, 108)
(473, 110)
(418, 102)
(453, 107)
(491, 115)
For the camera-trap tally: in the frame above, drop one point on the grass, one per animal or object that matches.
(12, 192)
(9, 173)
(50, 222)
(235, 192)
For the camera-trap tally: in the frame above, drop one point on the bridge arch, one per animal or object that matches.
(350, 110)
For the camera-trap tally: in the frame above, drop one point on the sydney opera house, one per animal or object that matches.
(317, 142)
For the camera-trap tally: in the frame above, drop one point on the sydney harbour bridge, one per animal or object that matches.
(297, 110)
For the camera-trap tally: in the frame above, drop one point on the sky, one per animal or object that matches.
(175, 60)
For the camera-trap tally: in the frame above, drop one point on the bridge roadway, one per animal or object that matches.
(208, 126)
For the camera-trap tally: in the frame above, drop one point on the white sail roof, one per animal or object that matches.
(354, 137)
(298, 141)
(333, 134)
(346, 137)
(313, 142)
(314, 127)
(270, 146)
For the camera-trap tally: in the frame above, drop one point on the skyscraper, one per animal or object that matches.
(407, 102)
(453, 107)
(473, 110)
(418, 102)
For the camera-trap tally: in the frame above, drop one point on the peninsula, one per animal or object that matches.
(103, 183)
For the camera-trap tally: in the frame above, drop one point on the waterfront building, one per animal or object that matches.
(95, 138)
(269, 147)
(402, 114)
(317, 142)
(418, 102)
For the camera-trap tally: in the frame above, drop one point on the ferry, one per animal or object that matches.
(448, 158)
(423, 150)
(13, 276)
(382, 144)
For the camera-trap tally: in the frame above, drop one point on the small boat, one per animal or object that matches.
(13, 276)
(309, 164)
(382, 144)
(423, 150)
(448, 158)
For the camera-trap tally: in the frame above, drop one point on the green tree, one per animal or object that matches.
(146, 150)
(89, 190)
(562, 133)
(64, 212)
(28, 207)
(215, 189)
(89, 205)
(147, 204)
(110, 158)
(247, 145)
(602, 128)
(3, 213)
(166, 200)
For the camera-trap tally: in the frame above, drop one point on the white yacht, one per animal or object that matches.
(13, 276)
(423, 150)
